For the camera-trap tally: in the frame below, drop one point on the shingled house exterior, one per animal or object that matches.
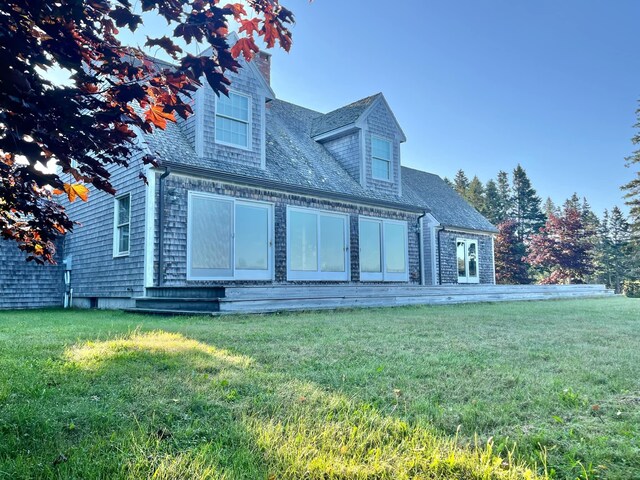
(252, 190)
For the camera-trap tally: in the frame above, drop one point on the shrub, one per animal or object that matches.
(631, 288)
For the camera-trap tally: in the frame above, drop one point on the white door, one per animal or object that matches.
(467, 256)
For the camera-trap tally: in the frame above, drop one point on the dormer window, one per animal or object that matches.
(381, 158)
(233, 120)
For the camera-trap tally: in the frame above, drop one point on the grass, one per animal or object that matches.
(491, 391)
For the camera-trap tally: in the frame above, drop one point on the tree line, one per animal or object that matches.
(547, 243)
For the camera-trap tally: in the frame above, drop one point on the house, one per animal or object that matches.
(252, 190)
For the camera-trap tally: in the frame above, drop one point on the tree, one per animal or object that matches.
(493, 209)
(550, 207)
(509, 253)
(526, 210)
(562, 249)
(461, 183)
(475, 195)
(505, 196)
(632, 196)
(115, 90)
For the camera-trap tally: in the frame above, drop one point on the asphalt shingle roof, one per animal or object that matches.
(449, 208)
(342, 117)
(293, 158)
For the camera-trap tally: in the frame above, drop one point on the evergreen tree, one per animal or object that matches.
(621, 258)
(572, 202)
(492, 203)
(633, 193)
(509, 253)
(461, 183)
(550, 208)
(475, 195)
(448, 182)
(505, 196)
(526, 211)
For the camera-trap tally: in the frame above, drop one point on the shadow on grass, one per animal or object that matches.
(161, 405)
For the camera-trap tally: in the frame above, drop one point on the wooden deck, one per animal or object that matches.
(278, 298)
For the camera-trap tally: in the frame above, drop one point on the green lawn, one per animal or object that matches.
(465, 391)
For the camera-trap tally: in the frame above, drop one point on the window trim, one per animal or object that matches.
(318, 274)
(116, 226)
(237, 274)
(389, 161)
(385, 276)
(467, 279)
(248, 122)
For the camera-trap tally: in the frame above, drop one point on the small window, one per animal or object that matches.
(381, 158)
(122, 225)
(233, 116)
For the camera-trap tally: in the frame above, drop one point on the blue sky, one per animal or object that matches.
(480, 85)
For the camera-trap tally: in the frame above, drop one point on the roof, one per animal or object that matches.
(293, 158)
(448, 208)
(343, 116)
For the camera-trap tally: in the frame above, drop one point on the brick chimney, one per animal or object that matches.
(263, 62)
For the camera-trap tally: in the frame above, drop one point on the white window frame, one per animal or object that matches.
(318, 274)
(237, 274)
(248, 122)
(389, 161)
(385, 276)
(466, 278)
(117, 226)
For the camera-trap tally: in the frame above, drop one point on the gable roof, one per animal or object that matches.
(343, 116)
(448, 208)
(294, 160)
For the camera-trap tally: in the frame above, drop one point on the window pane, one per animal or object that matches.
(394, 247)
(123, 239)
(252, 238)
(370, 247)
(380, 148)
(303, 241)
(124, 204)
(472, 255)
(232, 131)
(380, 169)
(234, 106)
(462, 268)
(332, 244)
(211, 233)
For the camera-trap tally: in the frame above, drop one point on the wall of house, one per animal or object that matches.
(380, 123)
(175, 244)
(27, 284)
(200, 127)
(347, 150)
(448, 259)
(95, 271)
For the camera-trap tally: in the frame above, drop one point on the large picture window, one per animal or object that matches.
(122, 225)
(317, 245)
(228, 238)
(467, 253)
(381, 155)
(233, 120)
(383, 250)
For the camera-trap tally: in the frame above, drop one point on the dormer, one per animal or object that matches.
(365, 138)
(232, 128)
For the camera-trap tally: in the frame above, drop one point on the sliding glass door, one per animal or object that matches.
(383, 250)
(228, 239)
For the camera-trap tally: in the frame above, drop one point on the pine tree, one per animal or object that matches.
(633, 192)
(448, 182)
(509, 253)
(493, 209)
(572, 202)
(550, 208)
(461, 183)
(621, 259)
(526, 211)
(475, 195)
(505, 196)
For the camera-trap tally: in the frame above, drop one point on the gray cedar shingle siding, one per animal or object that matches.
(380, 123)
(96, 273)
(175, 251)
(26, 284)
(347, 150)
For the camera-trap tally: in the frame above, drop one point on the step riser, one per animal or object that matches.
(186, 292)
(153, 304)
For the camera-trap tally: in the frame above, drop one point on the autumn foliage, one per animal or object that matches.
(563, 248)
(88, 126)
